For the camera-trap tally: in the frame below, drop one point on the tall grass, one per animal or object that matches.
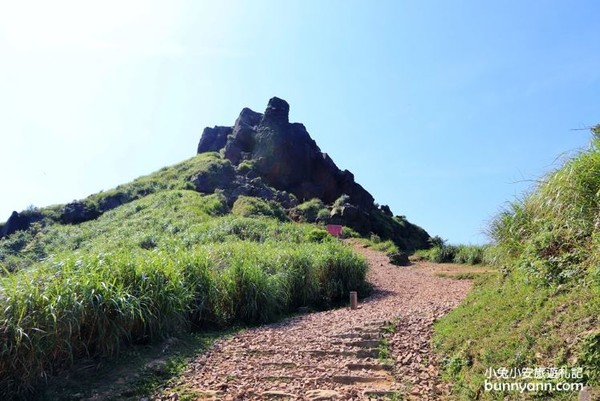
(543, 310)
(464, 254)
(153, 267)
(553, 233)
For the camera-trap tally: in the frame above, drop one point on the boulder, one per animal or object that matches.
(208, 181)
(19, 222)
(78, 212)
(213, 139)
(293, 169)
(385, 209)
(255, 187)
(110, 202)
(284, 155)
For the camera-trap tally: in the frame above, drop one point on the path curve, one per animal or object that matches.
(379, 350)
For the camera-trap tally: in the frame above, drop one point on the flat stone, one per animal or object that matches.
(364, 335)
(380, 393)
(367, 353)
(335, 353)
(357, 379)
(278, 395)
(280, 364)
(368, 366)
(586, 394)
(208, 395)
(322, 395)
(365, 343)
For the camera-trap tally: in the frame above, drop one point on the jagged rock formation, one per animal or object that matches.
(284, 155)
(263, 156)
(274, 158)
(19, 222)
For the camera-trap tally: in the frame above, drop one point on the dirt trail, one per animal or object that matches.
(380, 351)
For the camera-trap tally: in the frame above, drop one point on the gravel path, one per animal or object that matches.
(380, 351)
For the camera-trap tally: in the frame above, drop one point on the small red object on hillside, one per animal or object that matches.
(335, 230)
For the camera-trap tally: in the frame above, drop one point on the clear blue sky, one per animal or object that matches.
(441, 109)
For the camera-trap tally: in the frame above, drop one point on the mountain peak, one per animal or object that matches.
(277, 110)
(284, 155)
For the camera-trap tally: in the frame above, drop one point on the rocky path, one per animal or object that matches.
(380, 351)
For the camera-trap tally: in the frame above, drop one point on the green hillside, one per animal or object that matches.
(544, 309)
(167, 259)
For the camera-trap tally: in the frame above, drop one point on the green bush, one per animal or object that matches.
(245, 167)
(310, 210)
(153, 267)
(469, 254)
(250, 206)
(464, 254)
(318, 235)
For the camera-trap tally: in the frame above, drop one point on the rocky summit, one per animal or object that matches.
(261, 158)
(284, 155)
(276, 159)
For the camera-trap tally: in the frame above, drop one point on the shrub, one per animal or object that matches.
(341, 201)
(250, 206)
(318, 235)
(469, 254)
(309, 211)
(245, 166)
(551, 233)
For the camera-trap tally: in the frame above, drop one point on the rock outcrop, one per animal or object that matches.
(284, 155)
(19, 222)
(278, 160)
(78, 212)
(262, 156)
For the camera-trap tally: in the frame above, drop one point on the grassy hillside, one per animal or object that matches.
(172, 260)
(544, 309)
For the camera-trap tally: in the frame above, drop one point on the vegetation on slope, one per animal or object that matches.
(440, 252)
(543, 311)
(167, 262)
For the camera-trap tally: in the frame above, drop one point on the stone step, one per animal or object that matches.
(363, 335)
(377, 394)
(369, 366)
(377, 323)
(322, 395)
(277, 395)
(360, 354)
(358, 343)
(283, 365)
(364, 343)
(350, 380)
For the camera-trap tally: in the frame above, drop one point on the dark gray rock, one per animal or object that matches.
(208, 181)
(284, 154)
(213, 139)
(385, 209)
(351, 216)
(399, 259)
(78, 212)
(294, 168)
(113, 201)
(277, 112)
(20, 222)
(244, 186)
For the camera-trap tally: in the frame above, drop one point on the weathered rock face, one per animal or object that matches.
(213, 139)
(284, 155)
(78, 212)
(19, 222)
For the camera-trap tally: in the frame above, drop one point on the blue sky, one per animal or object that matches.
(444, 110)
